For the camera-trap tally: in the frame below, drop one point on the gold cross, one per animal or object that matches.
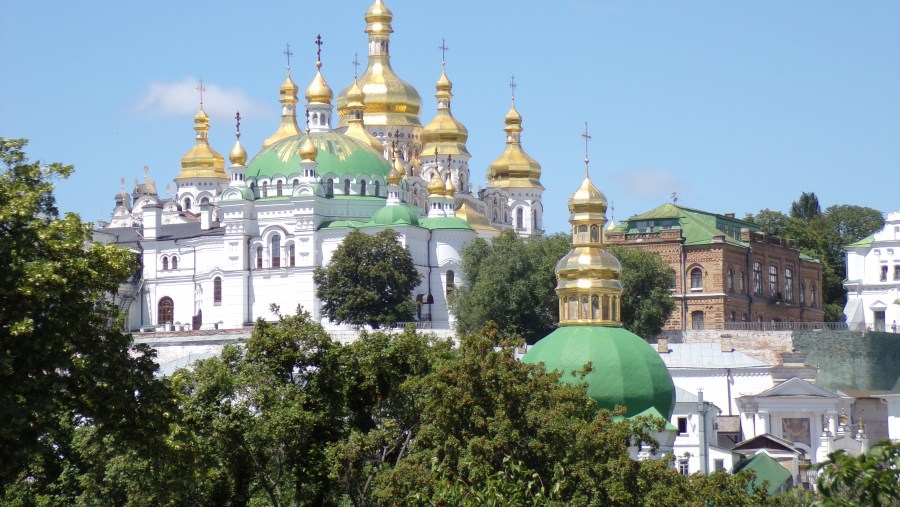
(512, 87)
(355, 64)
(587, 138)
(201, 89)
(443, 47)
(287, 53)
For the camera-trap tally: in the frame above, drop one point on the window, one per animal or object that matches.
(165, 263)
(757, 278)
(519, 219)
(377, 187)
(346, 187)
(174, 262)
(896, 272)
(683, 466)
(451, 282)
(742, 281)
(812, 296)
(773, 281)
(696, 279)
(275, 251)
(730, 280)
(295, 182)
(205, 200)
(697, 320)
(718, 464)
(259, 257)
(187, 204)
(329, 188)
(883, 274)
(265, 189)
(802, 293)
(788, 285)
(362, 187)
(595, 308)
(278, 189)
(217, 290)
(291, 255)
(733, 316)
(682, 425)
(595, 234)
(165, 311)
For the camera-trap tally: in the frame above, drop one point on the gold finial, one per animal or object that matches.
(238, 155)
(201, 89)
(587, 139)
(287, 53)
(318, 90)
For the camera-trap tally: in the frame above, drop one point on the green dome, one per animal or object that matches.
(338, 154)
(626, 369)
(399, 214)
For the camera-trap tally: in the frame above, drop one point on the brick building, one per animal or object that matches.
(726, 270)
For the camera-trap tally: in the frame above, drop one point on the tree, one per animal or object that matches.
(872, 478)
(69, 378)
(369, 280)
(510, 281)
(807, 207)
(646, 299)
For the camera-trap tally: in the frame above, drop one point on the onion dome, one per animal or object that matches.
(445, 132)
(288, 101)
(450, 188)
(308, 151)
(338, 155)
(202, 161)
(514, 168)
(436, 185)
(355, 126)
(476, 220)
(318, 90)
(390, 101)
(238, 155)
(393, 177)
(397, 215)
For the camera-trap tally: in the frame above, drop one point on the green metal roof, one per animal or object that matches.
(445, 223)
(863, 243)
(626, 370)
(399, 214)
(338, 154)
(767, 469)
(698, 227)
(653, 413)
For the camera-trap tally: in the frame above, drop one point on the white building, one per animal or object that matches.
(233, 241)
(873, 279)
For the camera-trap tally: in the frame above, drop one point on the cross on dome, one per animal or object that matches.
(319, 47)
(201, 89)
(443, 47)
(237, 118)
(355, 63)
(287, 53)
(512, 87)
(587, 139)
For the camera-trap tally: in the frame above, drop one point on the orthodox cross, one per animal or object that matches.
(512, 87)
(355, 64)
(287, 53)
(319, 47)
(443, 47)
(201, 89)
(587, 139)
(237, 118)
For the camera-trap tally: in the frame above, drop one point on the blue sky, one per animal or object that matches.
(736, 106)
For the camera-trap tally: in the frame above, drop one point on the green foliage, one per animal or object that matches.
(510, 281)
(78, 406)
(823, 235)
(369, 281)
(872, 478)
(646, 298)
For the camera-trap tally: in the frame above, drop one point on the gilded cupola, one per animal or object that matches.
(390, 101)
(436, 185)
(202, 161)
(318, 90)
(288, 99)
(514, 167)
(355, 126)
(589, 286)
(308, 151)
(445, 132)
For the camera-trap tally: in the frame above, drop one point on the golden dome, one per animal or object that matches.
(288, 126)
(318, 90)
(390, 101)
(394, 176)
(476, 220)
(308, 151)
(588, 199)
(355, 127)
(445, 132)
(514, 167)
(398, 166)
(202, 161)
(450, 189)
(238, 155)
(436, 185)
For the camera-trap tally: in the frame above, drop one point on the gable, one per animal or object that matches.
(795, 387)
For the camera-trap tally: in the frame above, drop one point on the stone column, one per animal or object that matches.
(763, 422)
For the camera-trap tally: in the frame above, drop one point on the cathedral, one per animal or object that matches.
(234, 240)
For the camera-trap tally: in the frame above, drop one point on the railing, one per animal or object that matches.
(423, 324)
(787, 326)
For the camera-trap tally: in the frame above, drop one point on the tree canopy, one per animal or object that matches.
(646, 298)
(369, 281)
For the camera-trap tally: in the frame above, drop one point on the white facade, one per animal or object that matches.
(873, 279)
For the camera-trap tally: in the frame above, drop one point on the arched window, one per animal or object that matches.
(346, 187)
(812, 296)
(451, 282)
(595, 234)
(187, 204)
(329, 188)
(742, 286)
(519, 219)
(278, 188)
(265, 189)
(205, 200)
(773, 281)
(697, 320)
(174, 262)
(696, 279)
(757, 278)
(362, 187)
(605, 308)
(585, 308)
(788, 284)
(534, 219)
(165, 263)
(291, 255)
(377, 187)
(733, 316)
(217, 290)
(595, 308)
(165, 311)
(802, 293)
(295, 182)
(730, 280)
(275, 251)
(259, 257)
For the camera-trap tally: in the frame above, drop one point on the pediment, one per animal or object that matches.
(796, 387)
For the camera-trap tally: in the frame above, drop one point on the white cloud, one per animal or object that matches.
(651, 182)
(180, 98)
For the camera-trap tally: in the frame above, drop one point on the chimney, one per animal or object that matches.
(725, 341)
(729, 215)
(662, 346)
(152, 215)
(205, 217)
